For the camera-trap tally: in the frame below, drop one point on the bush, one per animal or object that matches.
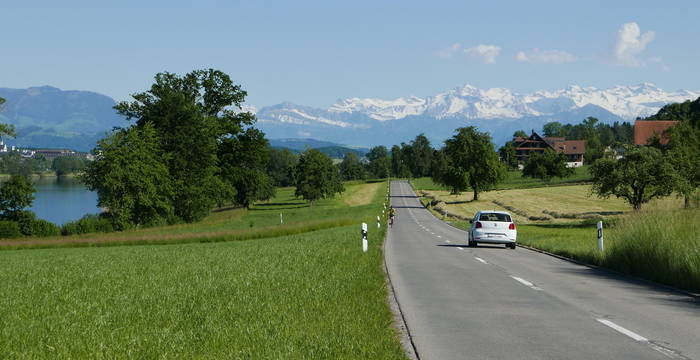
(87, 224)
(41, 227)
(9, 229)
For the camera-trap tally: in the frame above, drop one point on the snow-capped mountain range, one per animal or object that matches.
(366, 121)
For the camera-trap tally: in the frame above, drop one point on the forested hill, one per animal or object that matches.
(50, 117)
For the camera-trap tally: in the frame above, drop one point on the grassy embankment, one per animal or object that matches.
(659, 243)
(358, 202)
(311, 295)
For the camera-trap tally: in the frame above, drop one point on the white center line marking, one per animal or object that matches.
(619, 328)
(446, 240)
(481, 260)
(461, 248)
(525, 282)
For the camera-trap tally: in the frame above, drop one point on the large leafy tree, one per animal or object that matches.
(316, 176)
(399, 168)
(130, 179)
(281, 166)
(191, 115)
(547, 165)
(420, 157)
(642, 174)
(244, 159)
(473, 161)
(553, 129)
(379, 162)
(684, 155)
(16, 194)
(351, 168)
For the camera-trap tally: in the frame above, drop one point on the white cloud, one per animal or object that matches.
(484, 53)
(629, 44)
(448, 52)
(545, 56)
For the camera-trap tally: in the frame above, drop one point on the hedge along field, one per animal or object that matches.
(306, 296)
(358, 202)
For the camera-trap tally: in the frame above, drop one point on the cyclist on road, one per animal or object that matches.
(392, 214)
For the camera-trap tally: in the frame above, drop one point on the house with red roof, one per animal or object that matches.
(573, 149)
(646, 130)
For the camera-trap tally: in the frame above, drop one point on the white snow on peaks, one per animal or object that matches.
(469, 102)
(381, 110)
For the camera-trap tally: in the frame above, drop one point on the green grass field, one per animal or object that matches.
(515, 180)
(303, 296)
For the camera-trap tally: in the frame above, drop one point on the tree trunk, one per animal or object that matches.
(476, 194)
(686, 202)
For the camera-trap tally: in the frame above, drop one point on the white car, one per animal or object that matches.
(492, 227)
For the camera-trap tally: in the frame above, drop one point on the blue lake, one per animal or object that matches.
(63, 199)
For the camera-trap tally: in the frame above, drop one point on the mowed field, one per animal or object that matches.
(301, 296)
(538, 202)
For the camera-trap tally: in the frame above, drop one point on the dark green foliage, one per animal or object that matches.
(687, 111)
(130, 178)
(316, 176)
(553, 129)
(14, 164)
(547, 165)
(64, 165)
(16, 194)
(684, 155)
(88, 224)
(399, 167)
(39, 227)
(597, 135)
(351, 168)
(642, 174)
(244, 159)
(281, 165)
(6, 129)
(471, 161)
(9, 229)
(507, 155)
(520, 133)
(379, 162)
(338, 152)
(191, 114)
(418, 156)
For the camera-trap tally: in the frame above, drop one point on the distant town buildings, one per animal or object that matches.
(573, 149)
(49, 154)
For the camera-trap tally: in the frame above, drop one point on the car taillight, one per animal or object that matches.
(511, 226)
(477, 225)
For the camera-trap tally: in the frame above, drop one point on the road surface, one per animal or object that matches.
(493, 303)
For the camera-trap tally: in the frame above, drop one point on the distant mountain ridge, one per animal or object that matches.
(49, 117)
(46, 116)
(500, 111)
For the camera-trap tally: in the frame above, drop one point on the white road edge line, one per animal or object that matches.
(481, 260)
(461, 248)
(525, 282)
(620, 329)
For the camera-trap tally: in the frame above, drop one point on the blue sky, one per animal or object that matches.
(314, 52)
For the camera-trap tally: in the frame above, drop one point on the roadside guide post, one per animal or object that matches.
(600, 236)
(281, 221)
(378, 223)
(364, 237)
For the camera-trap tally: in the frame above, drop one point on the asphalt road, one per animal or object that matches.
(493, 303)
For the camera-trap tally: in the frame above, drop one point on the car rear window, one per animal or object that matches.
(494, 217)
